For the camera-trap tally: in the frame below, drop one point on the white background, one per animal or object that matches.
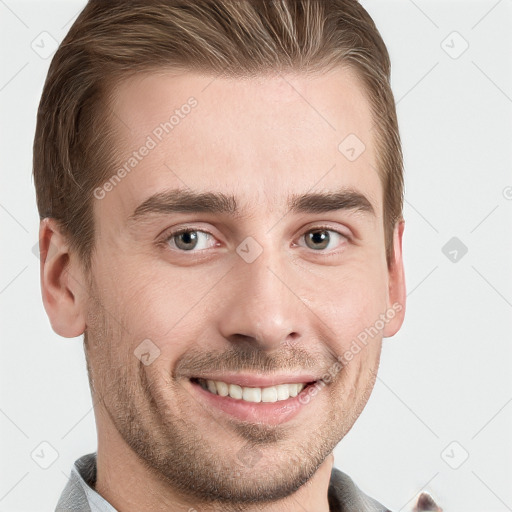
(444, 378)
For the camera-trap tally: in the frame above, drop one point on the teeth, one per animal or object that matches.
(269, 394)
(283, 392)
(256, 395)
(234, 390)
(222, 388)
(211, 386)
(251, 394)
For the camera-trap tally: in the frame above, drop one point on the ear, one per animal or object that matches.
(62, 285)
(396, 284)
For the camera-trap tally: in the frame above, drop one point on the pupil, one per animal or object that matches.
(320, 236)
(188, 236)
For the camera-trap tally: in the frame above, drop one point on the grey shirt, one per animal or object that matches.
(79, 494)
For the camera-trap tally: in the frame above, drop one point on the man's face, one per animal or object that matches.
(263, 292)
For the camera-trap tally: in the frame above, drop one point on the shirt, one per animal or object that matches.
(79, 494)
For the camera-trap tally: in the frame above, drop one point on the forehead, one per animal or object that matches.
(261, 138)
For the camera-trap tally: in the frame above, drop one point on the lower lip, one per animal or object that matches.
(272, 413)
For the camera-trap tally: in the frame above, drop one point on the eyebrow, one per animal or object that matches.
(185, 201)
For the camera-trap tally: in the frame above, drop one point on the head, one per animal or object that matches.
(220, 191)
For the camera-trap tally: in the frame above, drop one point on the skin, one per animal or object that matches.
(294, 308)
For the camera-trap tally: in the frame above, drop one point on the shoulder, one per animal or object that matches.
(345, 496)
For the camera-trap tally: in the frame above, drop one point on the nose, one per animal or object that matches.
(261, 303)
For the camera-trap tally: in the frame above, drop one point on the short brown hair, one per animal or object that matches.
(74, 145)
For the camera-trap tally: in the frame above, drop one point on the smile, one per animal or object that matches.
(267, 399)
(252, 394)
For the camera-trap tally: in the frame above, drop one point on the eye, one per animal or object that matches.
(189, 239)
(320, 237)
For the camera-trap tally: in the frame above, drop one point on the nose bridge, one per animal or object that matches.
(262, 305)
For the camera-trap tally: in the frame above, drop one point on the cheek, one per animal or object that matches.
(169, 308)
(352, 307)
(355, 295)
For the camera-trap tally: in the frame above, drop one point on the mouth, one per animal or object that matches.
(272, 405)
(269, 394)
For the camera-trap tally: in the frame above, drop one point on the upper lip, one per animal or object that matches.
(259, 380)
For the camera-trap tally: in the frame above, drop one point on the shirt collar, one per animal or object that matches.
(79, 494)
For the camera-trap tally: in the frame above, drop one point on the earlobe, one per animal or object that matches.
(62, 285)
(396, 287)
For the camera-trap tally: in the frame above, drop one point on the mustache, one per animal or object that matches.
(249, 359)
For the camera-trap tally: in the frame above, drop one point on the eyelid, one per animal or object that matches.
(344, 232)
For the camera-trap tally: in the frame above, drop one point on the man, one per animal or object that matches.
(220, 190)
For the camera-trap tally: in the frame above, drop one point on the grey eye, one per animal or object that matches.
(188, 240)
(319, 238)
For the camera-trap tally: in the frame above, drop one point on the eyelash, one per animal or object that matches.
(171, 235)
